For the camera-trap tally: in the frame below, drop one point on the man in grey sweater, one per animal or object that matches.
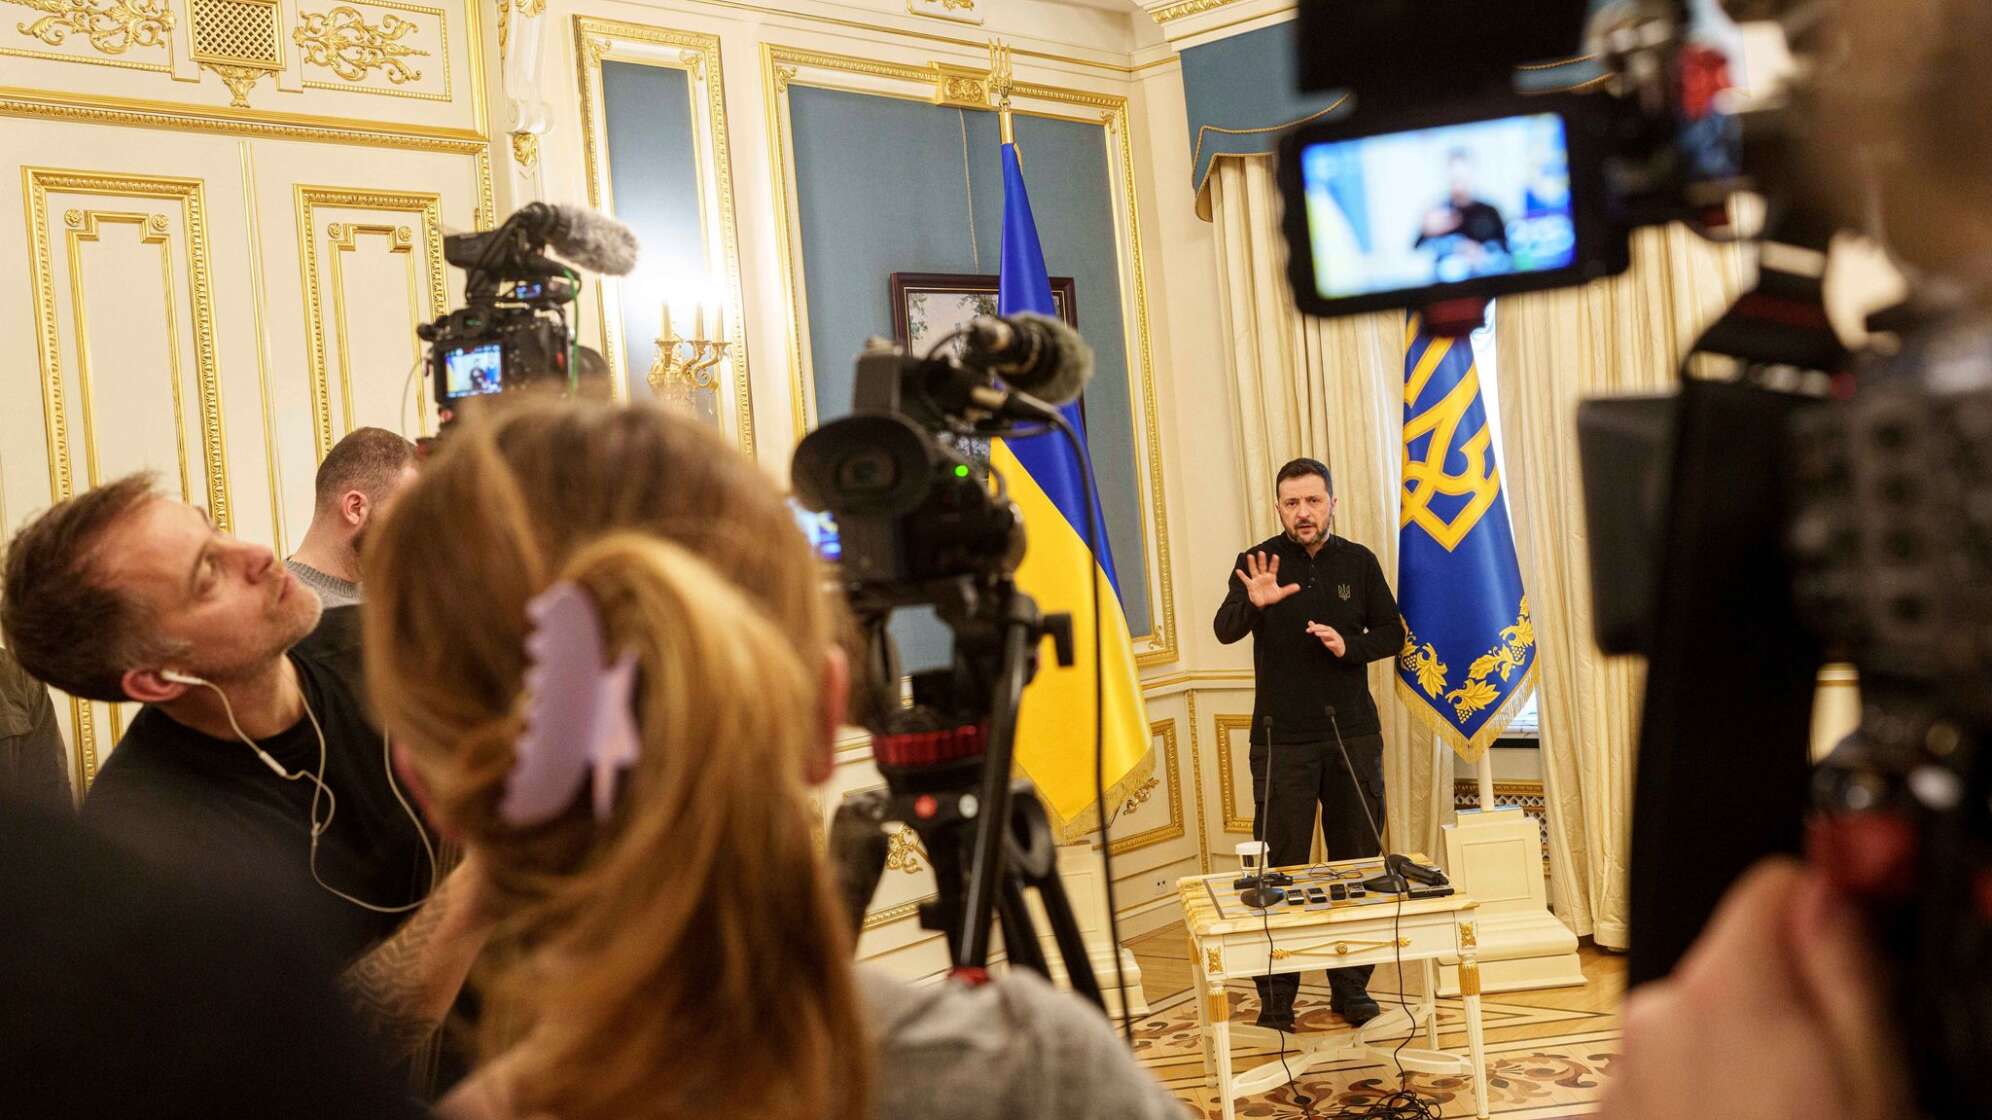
(357, 480)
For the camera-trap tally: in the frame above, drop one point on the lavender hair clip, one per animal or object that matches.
(579, 713)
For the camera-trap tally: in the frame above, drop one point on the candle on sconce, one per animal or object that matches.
(665, 330)
(719, 332)
(698, 321)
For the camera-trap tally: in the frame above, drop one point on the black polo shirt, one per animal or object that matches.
(1297, 678)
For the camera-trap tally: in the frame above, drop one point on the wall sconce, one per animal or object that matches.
(683, 373)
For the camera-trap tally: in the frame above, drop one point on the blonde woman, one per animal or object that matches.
(609, 661)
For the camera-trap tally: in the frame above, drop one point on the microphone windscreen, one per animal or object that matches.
(1061, 379)
(594, 240)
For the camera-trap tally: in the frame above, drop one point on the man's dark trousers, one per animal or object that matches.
(1306, 775)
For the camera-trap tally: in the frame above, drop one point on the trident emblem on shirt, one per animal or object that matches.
(1479, 482)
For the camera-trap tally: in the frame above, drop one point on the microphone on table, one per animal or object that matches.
(1399, 871)
(1259, 892)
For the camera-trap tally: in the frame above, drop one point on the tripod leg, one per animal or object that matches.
(1019, 932)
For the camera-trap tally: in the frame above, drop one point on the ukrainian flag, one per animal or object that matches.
(1469, 648)
(1050, 486)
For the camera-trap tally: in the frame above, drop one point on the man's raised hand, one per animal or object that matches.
(1261, 577)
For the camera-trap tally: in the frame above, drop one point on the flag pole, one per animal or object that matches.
(1002, 80)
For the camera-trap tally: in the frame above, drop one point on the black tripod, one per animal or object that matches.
(947, 762)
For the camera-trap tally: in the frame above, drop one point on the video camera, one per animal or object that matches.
(923, 522)
(512, 331)
(1794, 503)
(1452, 181)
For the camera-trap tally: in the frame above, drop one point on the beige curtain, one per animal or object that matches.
(1623, 336)
(1331, 389)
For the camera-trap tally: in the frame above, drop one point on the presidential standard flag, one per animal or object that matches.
(1469, 648)
(1050, 486)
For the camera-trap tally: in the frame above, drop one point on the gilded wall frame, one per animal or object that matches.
(79, 224)
(598, 40)
(427, 210)
(945, 83)
(1226, 784)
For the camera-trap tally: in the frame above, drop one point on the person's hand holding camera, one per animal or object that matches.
(1775, 1012)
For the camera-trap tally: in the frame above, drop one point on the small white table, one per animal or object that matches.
(1229, 941)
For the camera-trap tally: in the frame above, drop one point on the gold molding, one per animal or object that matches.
(783, 67)
(82, 227)
(37, 183)
(893, 914)
(1226, 785)
(349, 85)
(904, 852)
(428, 208)
(1189, 8)
(259, 298)
(343, 238)
(17, 101)
(1173, 828)
(525, 149)
(111, 26)
(1197, 787)
(698, 54)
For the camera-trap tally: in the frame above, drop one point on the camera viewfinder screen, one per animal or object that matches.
(821, 529)
(1441, 205)
(474, 370)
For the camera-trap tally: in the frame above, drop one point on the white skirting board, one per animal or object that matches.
(1496, 856)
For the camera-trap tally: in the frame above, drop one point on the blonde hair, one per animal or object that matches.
(687, 955)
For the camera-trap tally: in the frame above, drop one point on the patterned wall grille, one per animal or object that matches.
(237, 31)
(1527, 796)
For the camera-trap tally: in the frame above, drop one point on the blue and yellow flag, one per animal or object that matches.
(1050, 486)
(1469, 648)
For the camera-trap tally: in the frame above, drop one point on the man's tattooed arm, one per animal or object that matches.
(404, 987)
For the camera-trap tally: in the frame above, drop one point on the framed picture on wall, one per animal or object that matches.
(927, 306)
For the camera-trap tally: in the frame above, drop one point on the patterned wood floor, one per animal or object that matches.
(1548, 1051)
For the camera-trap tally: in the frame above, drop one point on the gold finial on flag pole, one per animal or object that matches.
(1002, 80)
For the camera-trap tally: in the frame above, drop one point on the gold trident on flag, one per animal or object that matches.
(1479, 483)
(1003, 82)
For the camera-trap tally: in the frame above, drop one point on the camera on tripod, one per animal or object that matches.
(512, 332)
(922, 523)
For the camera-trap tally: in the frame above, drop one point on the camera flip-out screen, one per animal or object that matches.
(474, 370)
(1408, 211)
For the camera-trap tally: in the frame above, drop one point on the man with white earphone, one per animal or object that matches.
(253, 757)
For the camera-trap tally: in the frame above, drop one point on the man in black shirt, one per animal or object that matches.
(1464, 226)
(1319, 611)
(122, 594)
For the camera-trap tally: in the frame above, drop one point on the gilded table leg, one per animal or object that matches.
(1203, 985)
(1218, 1013)
(1431, 1003)
(1469, 989)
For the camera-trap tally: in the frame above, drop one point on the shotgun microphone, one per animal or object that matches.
(1261, 894)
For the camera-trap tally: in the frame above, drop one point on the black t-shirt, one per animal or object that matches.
(192, 799)
(1477, 222)
(1297, 678)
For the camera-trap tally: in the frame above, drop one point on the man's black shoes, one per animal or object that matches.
(1283, 1023)
(1357, 1009)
